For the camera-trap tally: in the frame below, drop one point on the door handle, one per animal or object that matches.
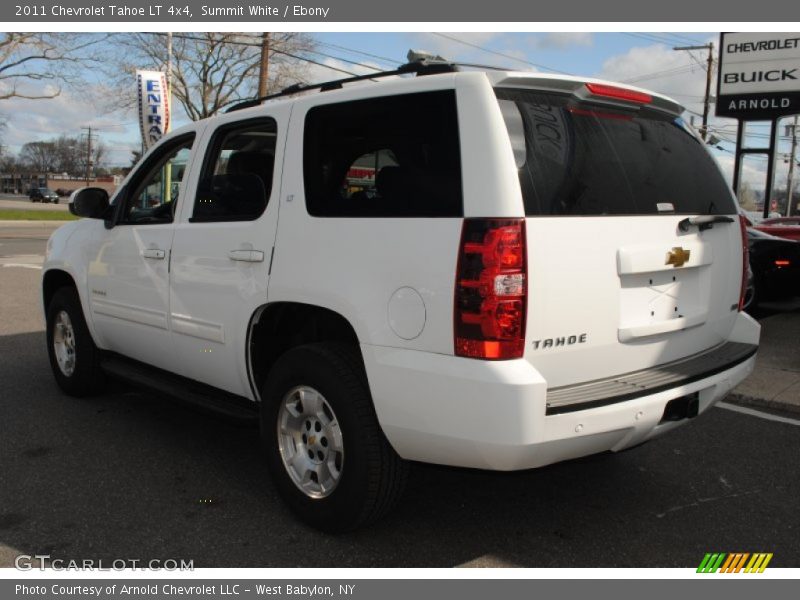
(246, 255)
(154, 253)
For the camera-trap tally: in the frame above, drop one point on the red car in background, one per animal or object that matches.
(785, 227)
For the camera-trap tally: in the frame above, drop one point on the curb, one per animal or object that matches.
(756, 402)
(32, 223)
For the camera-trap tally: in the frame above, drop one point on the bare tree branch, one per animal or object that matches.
(211, 70)
(37, 57)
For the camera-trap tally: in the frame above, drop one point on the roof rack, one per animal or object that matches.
(419, 63)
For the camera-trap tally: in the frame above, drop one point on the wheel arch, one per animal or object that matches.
(277, 327)
(52, 281)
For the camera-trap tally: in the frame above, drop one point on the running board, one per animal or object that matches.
(187, 391)
(649, 381)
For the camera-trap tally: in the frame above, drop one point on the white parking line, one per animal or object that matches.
(22, 266)
(757, 413)
(23, 261)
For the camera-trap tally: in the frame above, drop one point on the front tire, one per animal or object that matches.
(326, 452)
(74, 357)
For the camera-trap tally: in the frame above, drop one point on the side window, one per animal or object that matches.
(361, 181)
(395, 156)
(155, 193)
(236, 181)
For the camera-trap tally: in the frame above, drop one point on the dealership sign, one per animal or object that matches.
(153, 105)
(759, 75)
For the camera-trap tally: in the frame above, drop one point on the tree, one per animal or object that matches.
(99, 153)
(41, 157)
(9, 163)
(68, 154)
(64, 154)
(28, 60)
(214, 70)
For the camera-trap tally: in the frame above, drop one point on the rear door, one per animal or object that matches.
(223, 247)
(616, 284)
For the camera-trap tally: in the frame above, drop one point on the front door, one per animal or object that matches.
(129, 271)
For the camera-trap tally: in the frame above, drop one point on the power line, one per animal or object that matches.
(685, 38)
(384, 59)
(339, 58)
(282, 52)
(663, 37)
(389, 61)
(649, 37)
(663, 73)
(344, 60)
(496, 53)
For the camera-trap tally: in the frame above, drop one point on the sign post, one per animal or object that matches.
(759, 80)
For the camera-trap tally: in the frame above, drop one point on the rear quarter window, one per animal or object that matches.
(395, 156)
(577, 159)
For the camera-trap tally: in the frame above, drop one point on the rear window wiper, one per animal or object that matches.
(703, 221)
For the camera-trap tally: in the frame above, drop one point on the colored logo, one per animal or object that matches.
(677, 257)
(719, 562)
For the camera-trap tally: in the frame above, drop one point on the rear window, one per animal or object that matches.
(396, 156)
(577, 159)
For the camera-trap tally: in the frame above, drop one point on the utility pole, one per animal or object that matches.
(792, 161)
(88, 154)
(709, 71)
(169, 80)
(263, 72)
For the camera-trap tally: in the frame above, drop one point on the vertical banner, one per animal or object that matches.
(154, 109)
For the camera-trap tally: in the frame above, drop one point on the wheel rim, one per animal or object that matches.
(64, 343)
(310, 442)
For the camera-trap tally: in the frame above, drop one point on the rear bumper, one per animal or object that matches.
(493, 415)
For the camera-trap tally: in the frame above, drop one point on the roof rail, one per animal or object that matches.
(418, 65)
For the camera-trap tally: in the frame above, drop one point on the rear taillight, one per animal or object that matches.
(783, 263)
(491, 288)
(745, 261)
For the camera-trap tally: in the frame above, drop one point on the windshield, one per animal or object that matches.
(577, 159)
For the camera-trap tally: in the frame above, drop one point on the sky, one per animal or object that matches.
(643, 59)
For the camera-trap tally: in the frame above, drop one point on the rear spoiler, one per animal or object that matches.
(577, 87)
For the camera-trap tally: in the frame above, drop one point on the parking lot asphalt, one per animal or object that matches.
(775, 382)
(130, 475)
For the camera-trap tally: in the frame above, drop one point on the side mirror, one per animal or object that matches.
(89, 202)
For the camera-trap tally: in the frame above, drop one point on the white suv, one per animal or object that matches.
(484, 269)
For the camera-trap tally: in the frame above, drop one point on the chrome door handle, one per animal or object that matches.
(246, 255)
(154, 253)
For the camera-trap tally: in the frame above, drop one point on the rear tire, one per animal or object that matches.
(326, 452)
(74, 358)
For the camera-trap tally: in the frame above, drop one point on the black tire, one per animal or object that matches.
(86, 377)
(372, 474)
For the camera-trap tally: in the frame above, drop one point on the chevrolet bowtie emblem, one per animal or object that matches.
(677, 257)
